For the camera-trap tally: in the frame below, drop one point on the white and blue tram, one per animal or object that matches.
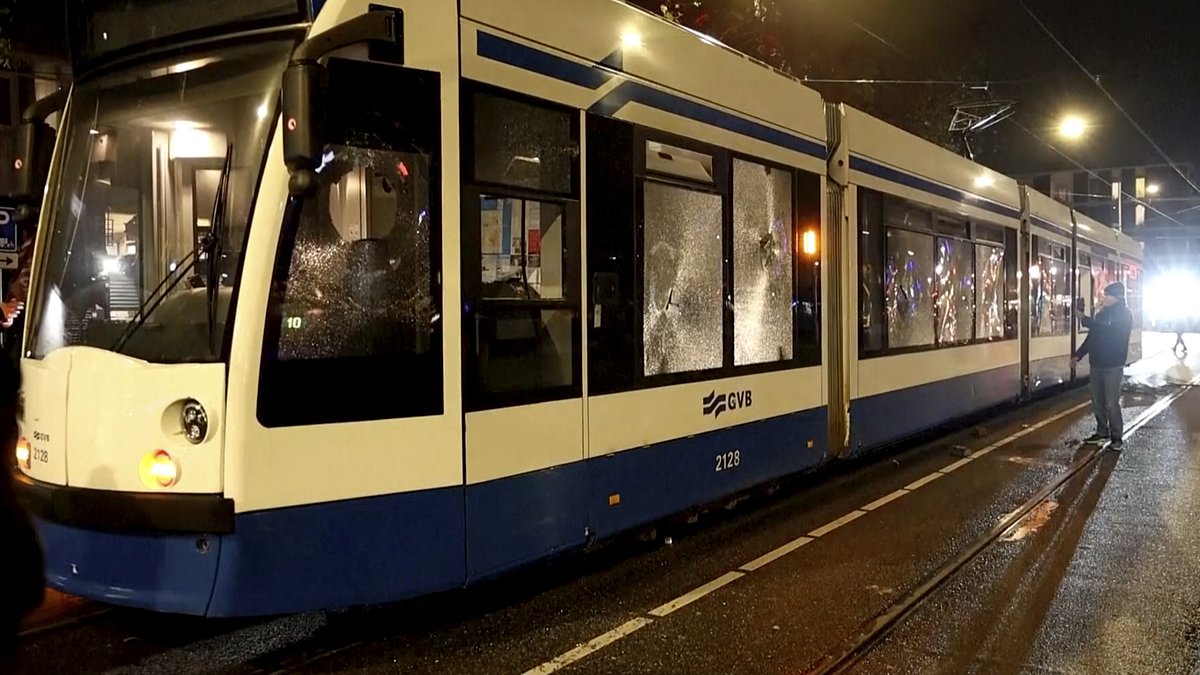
(489, 280)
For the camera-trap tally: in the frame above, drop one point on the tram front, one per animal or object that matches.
(149, 195)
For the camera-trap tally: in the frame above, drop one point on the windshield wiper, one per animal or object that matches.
(212, 245)
(152, 301)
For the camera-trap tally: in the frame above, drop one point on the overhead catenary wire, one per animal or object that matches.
(1096, 80)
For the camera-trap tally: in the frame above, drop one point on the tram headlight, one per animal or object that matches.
(195, 421)
(23, 453)
(159, 469)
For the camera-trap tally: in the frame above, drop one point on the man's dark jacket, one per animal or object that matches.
(1107, 342)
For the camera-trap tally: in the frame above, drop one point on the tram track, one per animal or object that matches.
(872, 633)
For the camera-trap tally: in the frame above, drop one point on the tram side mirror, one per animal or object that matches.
(35, 145)
(301, 96)
(301, 127)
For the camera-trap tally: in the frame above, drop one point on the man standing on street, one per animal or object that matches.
(1107, 348)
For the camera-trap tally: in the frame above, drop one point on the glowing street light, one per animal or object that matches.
(1072, 127)
(1152, 189)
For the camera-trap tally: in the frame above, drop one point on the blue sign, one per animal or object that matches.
(8, 230)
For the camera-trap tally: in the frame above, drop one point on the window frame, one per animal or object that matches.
(475, 397)
(626, 242)
(975, 232)
(292, 406)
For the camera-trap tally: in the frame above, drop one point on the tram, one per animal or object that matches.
(350, 302)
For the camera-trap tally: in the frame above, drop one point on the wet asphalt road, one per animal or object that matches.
(1104, 582)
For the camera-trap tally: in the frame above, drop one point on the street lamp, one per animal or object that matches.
(1072, 127)
(1152, 189)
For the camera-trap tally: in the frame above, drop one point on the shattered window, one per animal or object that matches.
(909, 283)
(682, 311)
(523, 145)
(360, 282)
(955, 304)
(989, 285)
(762, 263)
(356, 287)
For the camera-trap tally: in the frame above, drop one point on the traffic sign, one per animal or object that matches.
(8, 231)
(8, 260)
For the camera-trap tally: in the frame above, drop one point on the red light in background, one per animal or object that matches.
(403, 169)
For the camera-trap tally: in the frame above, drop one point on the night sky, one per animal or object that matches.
(1146, 54)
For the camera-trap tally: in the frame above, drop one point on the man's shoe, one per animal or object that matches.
(1096, 438)
(1117, 444)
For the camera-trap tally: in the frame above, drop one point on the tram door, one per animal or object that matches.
(523, 427)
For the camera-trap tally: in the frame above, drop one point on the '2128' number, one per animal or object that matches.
(729, 460)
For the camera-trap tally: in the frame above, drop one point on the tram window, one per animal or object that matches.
(954, 281)
(762, 263)
(909, 279)
(520, 252)
(521, 144)
(990, 275)
(1050, 291)
(522, 248)
(682, 310)
(1132, 278)
(872, 327)
(355, 297)
(523, 348)
(1085, 299)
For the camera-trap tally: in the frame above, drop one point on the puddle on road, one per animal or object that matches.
(1031, 523)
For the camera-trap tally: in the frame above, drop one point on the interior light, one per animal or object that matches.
(159, 470)
(984, 181)
(631, 39)
(110, 266)
(810, 242)
(262, 111)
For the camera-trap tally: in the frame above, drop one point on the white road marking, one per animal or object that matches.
(831, 526)
(596, 644)
(694, 595)
(632, 625)
(778, 553)
(887, 499)
(980, 453)
(922, 482)
(957, 465)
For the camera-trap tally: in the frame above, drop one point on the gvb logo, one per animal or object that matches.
(714, 404)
